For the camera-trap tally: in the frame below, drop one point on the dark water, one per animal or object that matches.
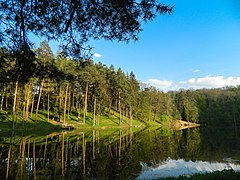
(119, 154)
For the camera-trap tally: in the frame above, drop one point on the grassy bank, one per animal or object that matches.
(42, 125)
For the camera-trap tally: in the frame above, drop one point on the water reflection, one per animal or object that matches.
(180, 167)
(114, 154)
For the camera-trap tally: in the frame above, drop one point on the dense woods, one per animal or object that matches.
(62, 87)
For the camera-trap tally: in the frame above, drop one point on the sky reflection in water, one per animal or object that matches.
(175, 168)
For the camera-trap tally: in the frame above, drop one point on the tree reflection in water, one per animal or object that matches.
(110, 154)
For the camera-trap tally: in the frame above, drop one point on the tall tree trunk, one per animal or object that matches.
(33, 100)
(23, 154)
(78, 105)
(62, 154)
(48, 104)
(60, 104)
(9, 156)
(3, 95)
(45, 151)
(79, 111)
(98, 116)
(119, 108)
(69, 103)
(84, 154)
(94, 110)
(65, 104)
(43, 102)
(73, 99)
(6, 103)
(14, 104)
(28, 101)
(93, 144)
(110, 105)
(39, 99)
(24, 105)
(85, 104)
(130, 114)
(34, 159)
(120, 144)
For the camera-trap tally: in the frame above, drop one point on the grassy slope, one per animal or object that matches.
(106, 121)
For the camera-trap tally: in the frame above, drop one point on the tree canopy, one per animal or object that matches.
(74, 22)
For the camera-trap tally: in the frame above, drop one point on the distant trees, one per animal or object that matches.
(60, 87)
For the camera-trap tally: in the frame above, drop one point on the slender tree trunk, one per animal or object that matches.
(3, 95)
(69, 103)
(23, 154)
(34, 159)
(60, 104)
(43, 102)
(78, 105)
(65, 104)
(120, 144)
(14, 105)
(73, 100)
(45, 151)
(28, 101)
(98, 116)
(63, 155)
(79, 111)
(110, 106)
(33, 99)
(130, 114)
(66, 152)
(39, 99)
(119, 108)
(6, 103)
(28, 152)
(93, 144)
(116, 104)
(24, 105)
(9, 156)
(85, 104)
(94, 110)
(48, 104)
(84, 154)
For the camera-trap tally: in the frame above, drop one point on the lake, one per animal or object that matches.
(119, 153)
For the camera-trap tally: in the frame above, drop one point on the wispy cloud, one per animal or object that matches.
(96, 55)
(210, 82)
(162, 84)
(196, 70)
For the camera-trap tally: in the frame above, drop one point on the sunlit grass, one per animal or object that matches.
(42, 124)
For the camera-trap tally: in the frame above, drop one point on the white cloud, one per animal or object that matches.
(159, 83)
(196, 70)
(96, 55)
(210, 82)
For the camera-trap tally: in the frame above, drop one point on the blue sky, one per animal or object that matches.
(197, 46)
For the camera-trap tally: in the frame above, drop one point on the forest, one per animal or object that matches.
(66, 88)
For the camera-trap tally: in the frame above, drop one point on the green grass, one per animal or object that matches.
(43, 126)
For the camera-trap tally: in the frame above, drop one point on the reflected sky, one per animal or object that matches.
(180, 167)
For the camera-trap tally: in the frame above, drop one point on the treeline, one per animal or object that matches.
(62, 87)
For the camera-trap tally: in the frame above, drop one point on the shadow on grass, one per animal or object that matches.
(29, 128)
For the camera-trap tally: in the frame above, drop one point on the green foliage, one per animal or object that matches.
(70, 86)
(75, 22)
(164, 119)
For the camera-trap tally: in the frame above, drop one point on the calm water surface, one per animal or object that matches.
(119, 154)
